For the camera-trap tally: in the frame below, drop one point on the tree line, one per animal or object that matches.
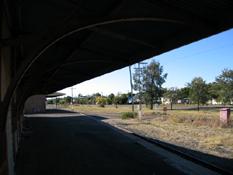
(95, 98)
(147, 83)
(200, 92)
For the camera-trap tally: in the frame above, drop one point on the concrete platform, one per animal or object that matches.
(73, 144)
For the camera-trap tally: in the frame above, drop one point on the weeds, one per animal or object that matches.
(128, 115)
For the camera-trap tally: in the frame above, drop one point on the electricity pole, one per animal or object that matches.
(139, 70)
(131, 85)
(72, 96)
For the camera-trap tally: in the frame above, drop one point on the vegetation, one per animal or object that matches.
(151, 83)
(172, 95)
(110, 99)
(101, 101)
(128, 115)
(199, 130)
(225, 86)
(152, 77)
(198, 91)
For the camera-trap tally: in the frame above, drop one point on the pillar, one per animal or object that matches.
(6, 134)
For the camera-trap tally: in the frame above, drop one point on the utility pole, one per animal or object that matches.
(139, 70)
(56, 102)
(131, 85)
(140, 94)
(72, 96)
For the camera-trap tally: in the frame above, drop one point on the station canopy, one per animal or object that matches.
(65, 42)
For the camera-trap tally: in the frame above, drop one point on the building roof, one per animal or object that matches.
(55, 94)
(66, 42)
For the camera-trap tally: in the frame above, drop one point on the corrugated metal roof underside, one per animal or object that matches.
(153, 27)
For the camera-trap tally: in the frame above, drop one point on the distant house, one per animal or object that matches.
(179, 101)
(214, 102)
(165, 100)
(183, 101)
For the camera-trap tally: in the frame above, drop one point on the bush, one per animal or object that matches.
(102, 105)
(128, 115)
(101, 101)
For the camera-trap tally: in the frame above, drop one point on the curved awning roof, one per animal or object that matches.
(64, 42)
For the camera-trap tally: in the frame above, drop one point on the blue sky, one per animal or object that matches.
(206, 58)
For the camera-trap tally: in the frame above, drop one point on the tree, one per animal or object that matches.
(96, 94)
(198, 91)
(50, 101)
(151, 82)
(172, 95)
(68, 99)
(116, 100)
(110, 98)
(123, 99)
(225, 82)
(101, 101)
(184, 93)
(120, 99)
(213, 90)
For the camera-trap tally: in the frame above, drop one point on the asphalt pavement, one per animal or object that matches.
(74, 144)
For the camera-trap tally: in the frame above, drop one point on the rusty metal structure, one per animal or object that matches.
(47, 45)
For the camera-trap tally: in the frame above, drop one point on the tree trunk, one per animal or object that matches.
(171, 105)
(198, 105)
(151, 105)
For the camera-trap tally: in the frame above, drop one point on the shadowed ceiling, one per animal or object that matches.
(65, 42)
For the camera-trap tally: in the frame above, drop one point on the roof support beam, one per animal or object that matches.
(196, 21)
(89, 61)
(123, 37)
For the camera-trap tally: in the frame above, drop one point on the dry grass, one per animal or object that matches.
(97, 109)
(200, 131)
